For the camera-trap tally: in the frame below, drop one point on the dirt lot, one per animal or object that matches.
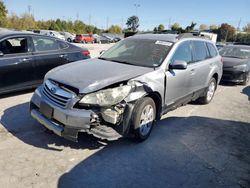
(193, 146)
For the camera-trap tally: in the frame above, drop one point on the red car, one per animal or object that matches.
(84, 38)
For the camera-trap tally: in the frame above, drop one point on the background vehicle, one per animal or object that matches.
(50, 33)
(84, 38)
(236, 63)
(129, 87)
(68, 36)
(101, 39)
(26, 57)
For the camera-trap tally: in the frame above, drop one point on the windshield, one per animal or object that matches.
(235, 51)
(139, 52)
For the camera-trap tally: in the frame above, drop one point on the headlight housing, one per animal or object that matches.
(107, 97)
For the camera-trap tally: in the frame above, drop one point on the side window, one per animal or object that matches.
(212, 50)
(14, 45)
(200, 50)
(45, 44)
(63, 45)
(183, 53)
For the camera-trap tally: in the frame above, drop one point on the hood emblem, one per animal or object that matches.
(53, 90)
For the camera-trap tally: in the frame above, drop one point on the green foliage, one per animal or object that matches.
(226, 32)
(203, 27)
(175, 27)
(133, 23)
(115, 29)
(3, 13)
(161, 27)
(213, 27)
(247, 28)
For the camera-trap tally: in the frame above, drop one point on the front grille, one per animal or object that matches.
(56, 94)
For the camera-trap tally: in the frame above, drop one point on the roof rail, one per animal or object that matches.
(187, 35)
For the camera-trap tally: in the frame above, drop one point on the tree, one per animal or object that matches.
(213, 27)
(133, 23)
(203, 27)
(190, 28)
(226, 32)
(3, 13)
(247, 28)
(115, 29)
(175, 27)
(161, 27)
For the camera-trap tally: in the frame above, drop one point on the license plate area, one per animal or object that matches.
(46, 110)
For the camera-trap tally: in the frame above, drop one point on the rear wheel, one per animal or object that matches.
(209, 94)
(143, 118)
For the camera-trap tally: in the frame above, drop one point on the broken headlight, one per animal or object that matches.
(107, 97)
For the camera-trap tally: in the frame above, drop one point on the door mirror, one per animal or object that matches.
(178, 64)
(1, 54)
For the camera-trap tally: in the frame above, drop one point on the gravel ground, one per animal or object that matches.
(193, 146)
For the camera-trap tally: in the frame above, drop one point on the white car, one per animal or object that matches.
(68, 36)
(52, 34)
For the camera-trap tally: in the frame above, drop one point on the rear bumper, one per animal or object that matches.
(233, 76)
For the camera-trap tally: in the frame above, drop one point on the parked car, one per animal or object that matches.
(236, 63)
(26, 57)
(129, 87)
(50, 33)
(101, 39)
(68, 36)
(84, 38)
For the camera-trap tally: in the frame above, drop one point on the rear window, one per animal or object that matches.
(212, 50)
(200, 51)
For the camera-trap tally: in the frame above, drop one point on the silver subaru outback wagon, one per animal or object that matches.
(129, 87)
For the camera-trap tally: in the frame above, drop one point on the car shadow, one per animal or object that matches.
(181, 152)
(12, 94)
(18, 121)
(246, 91)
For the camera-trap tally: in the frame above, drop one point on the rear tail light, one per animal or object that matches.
(85, 53)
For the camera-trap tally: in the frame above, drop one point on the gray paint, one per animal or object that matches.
(95, 74)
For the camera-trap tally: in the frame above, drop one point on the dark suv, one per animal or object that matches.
(130, 86)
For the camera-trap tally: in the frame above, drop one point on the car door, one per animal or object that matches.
(201, 65)
(179, 81)
(47, 55)
(16, 63)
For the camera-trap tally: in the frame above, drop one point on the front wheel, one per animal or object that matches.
(209, 94)
(246, 79)
(143, 118)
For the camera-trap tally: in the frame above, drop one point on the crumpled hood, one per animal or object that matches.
(94, 74)
(230, 62)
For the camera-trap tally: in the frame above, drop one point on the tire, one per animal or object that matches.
(69, 40)
(144, 108)
(209, 94)
(246, 79)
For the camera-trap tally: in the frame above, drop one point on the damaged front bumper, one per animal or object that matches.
(109, 123)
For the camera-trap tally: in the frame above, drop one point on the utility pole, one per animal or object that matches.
(29, 9)
(90, 19)
(169, 23)
(238, 28)
(136, 9)
(107, 23)
(77, 16)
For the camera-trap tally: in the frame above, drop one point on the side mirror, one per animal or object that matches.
(1, 54)
(101, 52)
(178, 64)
